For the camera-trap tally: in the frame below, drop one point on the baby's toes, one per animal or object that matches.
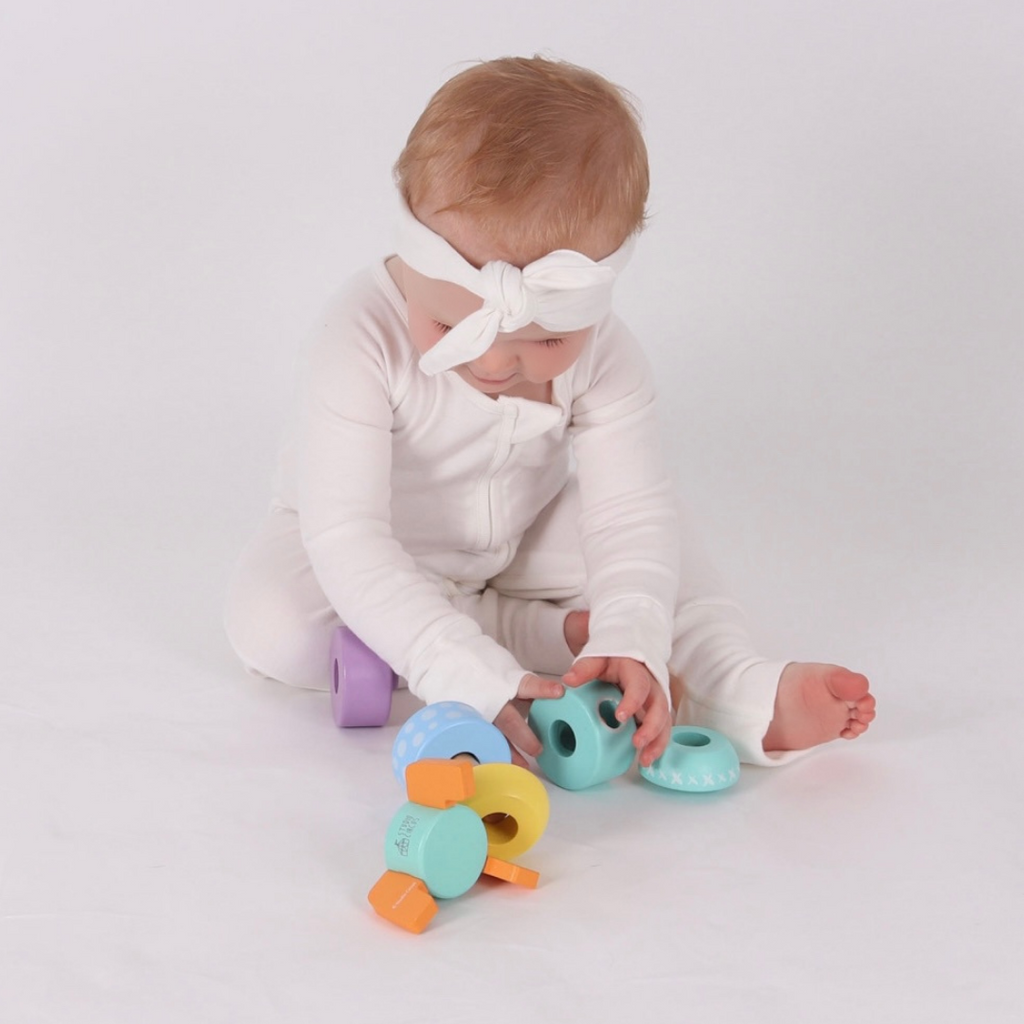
(863, 710)
(854, 729)
(848, 686)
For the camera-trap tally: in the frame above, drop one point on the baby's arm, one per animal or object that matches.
(531, 629)
(628, 526)
(343, 457)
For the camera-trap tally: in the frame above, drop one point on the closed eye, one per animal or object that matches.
(551, 342)
(443, 328)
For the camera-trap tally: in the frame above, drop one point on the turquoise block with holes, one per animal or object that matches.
(446, 849)
(584, 744)
(695, 761)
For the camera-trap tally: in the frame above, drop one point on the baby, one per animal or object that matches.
(472, 480)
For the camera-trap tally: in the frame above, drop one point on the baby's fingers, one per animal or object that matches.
(518, 733)
(584, 670)
(653, 734)
(533, 687)
(636, 684)
(517, 759)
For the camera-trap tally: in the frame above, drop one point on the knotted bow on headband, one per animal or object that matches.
(563, 291)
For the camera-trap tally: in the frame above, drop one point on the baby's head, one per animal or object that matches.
(515, 158)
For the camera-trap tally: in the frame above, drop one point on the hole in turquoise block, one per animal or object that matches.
(606, 709)
(691, 739)
(563, 739)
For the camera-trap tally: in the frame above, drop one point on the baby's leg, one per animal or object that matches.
(281, 624)
(549, 575)
(277, 618)
(770, 710)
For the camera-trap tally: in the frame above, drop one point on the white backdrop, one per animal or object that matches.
(831, 293)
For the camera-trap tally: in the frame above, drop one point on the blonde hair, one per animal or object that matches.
(539, 154)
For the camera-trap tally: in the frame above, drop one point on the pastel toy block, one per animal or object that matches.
(403, 900)
(508, 872)
(514, 806)
(361, 684)
(436, 783)
(445, 730)
(695, 761)
(584, 744)
(446, 849)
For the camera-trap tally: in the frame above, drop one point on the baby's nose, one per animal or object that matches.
(495, 360)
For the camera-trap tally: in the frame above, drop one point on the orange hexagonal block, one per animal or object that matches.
(403, 900)
(509, 872)
(437, 783)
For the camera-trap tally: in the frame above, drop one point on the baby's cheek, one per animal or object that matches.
(424, 333)
(569, 351)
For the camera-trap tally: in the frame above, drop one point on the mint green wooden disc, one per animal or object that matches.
(583, 742)
(696, 761)
(446, 849)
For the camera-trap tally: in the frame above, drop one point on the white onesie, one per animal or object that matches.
(401, 506)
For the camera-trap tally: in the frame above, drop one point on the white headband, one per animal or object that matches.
(563, 291)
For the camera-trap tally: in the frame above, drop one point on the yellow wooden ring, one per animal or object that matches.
(514, 806)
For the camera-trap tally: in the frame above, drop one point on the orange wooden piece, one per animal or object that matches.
(509, 872)
(403, 900)
(439, 783)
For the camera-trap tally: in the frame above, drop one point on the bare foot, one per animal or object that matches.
(818, 703)
(577, 631)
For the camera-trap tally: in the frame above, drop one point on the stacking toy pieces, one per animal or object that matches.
(443, 847)
(361, 684)
(584, 743)
(446, 730)
(438, 844)
(695, 761)
(513, 805)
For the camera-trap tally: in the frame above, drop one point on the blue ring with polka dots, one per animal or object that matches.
(445, 730)
(695, 761)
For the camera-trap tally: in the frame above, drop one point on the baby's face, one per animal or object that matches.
(518, 363)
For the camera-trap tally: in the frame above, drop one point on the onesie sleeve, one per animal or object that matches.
(628, 522)
(635, 536)
(343, 486)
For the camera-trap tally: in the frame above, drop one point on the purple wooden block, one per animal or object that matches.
(361, 684)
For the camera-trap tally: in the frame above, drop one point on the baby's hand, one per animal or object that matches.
(512, 722)
(642, 698)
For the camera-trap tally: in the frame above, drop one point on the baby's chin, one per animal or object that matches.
(516, 386)
(490, 384)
